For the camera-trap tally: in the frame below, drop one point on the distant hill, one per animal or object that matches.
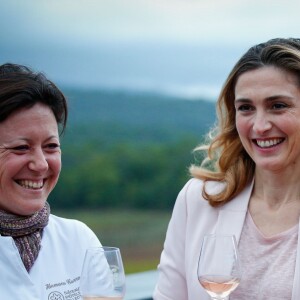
(110, 117)
(135, 145)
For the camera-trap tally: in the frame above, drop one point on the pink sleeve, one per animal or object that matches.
(172, 281)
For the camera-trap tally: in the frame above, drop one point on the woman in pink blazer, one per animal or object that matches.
(248, 185)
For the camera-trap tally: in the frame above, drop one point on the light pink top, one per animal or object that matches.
(261, 258)
(192, 218)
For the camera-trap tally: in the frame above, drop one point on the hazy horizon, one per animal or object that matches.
(180, 47)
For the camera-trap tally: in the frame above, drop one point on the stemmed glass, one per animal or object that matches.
(219, 270)
(102, 275)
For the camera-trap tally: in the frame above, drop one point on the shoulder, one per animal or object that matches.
(194, 187)
(190, 203)
(68, 229)
(59, 222)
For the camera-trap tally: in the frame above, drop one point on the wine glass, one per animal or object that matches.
(102, 275)
(219, 270)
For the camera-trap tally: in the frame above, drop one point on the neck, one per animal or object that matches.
(276, 189)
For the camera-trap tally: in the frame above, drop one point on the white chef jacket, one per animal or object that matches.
(192, 218)
(55, 274)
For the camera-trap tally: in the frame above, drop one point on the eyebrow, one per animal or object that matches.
(27, 140)
(268, 99)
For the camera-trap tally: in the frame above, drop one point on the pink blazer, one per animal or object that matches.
(192, 218)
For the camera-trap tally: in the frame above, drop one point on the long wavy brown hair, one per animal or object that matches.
(225, 158)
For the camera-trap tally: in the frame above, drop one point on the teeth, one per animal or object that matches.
(29, 184)
(268, 143)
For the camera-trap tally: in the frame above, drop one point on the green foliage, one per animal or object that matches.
(111, 117)
(125, 176)
(128, 150)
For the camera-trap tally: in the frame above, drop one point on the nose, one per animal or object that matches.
(38, 161)
(261, 123)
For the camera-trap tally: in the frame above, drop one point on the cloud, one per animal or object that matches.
(140, 43)
(181, 21)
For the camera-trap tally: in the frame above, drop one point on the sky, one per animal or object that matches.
(180, 47)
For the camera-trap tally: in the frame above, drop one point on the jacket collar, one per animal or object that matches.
(232, 215)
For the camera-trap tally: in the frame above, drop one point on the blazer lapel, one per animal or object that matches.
(232, 216)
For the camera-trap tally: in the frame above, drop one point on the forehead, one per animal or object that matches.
(35, 121)
(269, 79)
(37, 110)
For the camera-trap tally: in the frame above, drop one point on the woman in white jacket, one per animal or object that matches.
(251, 188)
(41, 255)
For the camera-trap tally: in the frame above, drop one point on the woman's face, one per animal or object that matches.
(267, 102)
(30, 159)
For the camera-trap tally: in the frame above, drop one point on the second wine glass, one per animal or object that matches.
(219, 270)
(102, 275)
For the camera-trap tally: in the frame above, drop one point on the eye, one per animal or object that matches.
(20, 148)
(244, 108)
(279, 105)
(52, 146)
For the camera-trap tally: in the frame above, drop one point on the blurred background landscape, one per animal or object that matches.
(125, 157)
(142, 78)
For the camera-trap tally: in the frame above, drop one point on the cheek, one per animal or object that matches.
(11, 166)
(289, 126)
(55, 165)
(241, 126)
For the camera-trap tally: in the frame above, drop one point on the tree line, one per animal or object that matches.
(128, 150)
(125, 175)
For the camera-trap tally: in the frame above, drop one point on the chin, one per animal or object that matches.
(270, 168)
(29, 210)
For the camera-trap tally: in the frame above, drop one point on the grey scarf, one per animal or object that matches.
(26, 231)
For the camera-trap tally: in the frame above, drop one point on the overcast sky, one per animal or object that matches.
(179, 46)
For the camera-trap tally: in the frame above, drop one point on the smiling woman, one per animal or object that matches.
(268, 120)
(37, 249)
(251, 189)
(30, 159)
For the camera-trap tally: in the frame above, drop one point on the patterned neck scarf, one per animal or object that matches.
(26, 231)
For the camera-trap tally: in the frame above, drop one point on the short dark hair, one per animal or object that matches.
(21, 87)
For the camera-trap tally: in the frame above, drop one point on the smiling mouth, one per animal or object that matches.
(30, 184)
(268, 143)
